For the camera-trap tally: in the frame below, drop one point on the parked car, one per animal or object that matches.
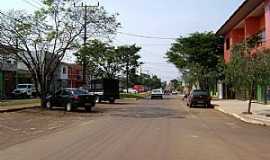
(174, 92)
(71, 98)
(199, 97)
(157, 93)
(24, 91)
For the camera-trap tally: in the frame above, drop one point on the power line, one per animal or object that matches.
(39, 2)
(31, 4)
(146, 36)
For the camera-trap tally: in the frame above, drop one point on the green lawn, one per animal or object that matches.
(132, 95)
(18, 102)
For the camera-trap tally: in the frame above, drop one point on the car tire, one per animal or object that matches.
(48, 105)
(97, 99)
(69, 107)
(88, 108)
(112, 101)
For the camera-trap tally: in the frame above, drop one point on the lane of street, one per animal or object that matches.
(150, 129)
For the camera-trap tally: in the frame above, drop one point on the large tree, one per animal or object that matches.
(197, 56)
(42, 39)
(130, 59)
(104, 60)
(101, 58)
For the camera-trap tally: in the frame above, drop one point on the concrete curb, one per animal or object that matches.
(14, 109)
(244, 119)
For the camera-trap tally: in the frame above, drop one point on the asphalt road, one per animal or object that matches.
(150, 130)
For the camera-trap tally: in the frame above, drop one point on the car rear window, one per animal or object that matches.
(200, 93)
(79, 92)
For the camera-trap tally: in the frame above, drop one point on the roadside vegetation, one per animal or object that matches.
(133, 95)
(248, 68)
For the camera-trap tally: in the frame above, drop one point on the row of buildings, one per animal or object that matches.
(14, 72)
(250, 19)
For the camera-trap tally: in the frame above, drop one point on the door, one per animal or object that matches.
(64, 97)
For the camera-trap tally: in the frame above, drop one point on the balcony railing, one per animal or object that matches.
(8, 66)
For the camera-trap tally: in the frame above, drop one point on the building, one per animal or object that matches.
(75, 79)
(250, 19)
(12, 72)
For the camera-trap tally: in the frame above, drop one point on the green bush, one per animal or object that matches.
(131, 95)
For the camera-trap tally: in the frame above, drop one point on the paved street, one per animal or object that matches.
(148, 130)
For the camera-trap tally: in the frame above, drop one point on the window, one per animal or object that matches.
(228, 44)
(262, 36)
(66, 93)
(64, 70)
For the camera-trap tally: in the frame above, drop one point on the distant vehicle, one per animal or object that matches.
(105, 89)
(157, 93)
(139, 88)
(71, 98)
(199, 97)
(24, 91)
(174, 92)
(131, 90)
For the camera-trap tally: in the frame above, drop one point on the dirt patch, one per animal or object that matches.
(17, 127)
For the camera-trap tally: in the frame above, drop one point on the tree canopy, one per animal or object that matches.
(42, 39)
(107, 61)
(197, 57)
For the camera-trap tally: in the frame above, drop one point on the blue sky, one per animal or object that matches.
(170, 18)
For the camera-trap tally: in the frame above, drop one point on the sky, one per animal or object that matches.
(157, 18)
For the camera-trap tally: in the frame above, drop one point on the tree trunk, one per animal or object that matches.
(251, 93)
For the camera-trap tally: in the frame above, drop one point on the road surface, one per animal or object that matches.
(150, 130)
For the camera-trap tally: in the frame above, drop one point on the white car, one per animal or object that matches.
(157, 93)
(24, 90)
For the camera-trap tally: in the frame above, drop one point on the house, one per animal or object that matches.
(75, 79)
(250, 19)
(60, 77)
(11, 72)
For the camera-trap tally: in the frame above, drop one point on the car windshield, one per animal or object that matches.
(79, 92)
(156, 91)
(21, 86)
(200, 93)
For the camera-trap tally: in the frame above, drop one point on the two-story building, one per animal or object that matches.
(251, 18)
(75, 79)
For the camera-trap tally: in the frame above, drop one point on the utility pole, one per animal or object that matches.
(127, 70)
(85, 10)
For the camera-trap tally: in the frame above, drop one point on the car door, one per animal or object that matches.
(56, 98)
(65, 97)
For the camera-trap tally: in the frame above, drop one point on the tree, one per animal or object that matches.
(102, 59)
(42, 39)
(130, 58)
(176, 84)
(197, 57)
(107, 61)
(248, 68)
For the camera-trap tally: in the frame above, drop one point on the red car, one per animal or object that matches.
(199, 97)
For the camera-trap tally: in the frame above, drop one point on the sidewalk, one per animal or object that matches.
(260, 116)
(15, 105)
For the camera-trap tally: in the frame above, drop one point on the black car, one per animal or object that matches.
(70, 99)
(199, 97)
